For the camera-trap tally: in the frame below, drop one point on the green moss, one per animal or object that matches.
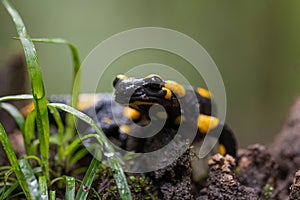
(104, 183)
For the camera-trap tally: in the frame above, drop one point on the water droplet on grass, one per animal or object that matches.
(109, 154)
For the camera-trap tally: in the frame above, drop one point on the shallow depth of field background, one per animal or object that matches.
(255, 44)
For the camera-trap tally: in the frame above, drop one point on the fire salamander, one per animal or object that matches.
(131, 103)
(139, 95)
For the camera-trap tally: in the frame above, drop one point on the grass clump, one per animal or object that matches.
(32, 173)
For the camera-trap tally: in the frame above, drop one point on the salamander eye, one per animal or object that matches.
(154, 79)
(154, 86)
(154, 76)
(119, 78)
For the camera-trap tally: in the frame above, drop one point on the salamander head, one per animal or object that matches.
(141, 91)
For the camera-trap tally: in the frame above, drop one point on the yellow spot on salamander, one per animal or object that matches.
(175, 87)
(178, 120)
(222, 150)
(136, 104)
(26, 109)
(107, 120)
(162, 115)
(122, 77)
(119, 78)
(203, 92)
(131, 113)
(125, 129)
(87, 100)
(206, 123)
(168, 93)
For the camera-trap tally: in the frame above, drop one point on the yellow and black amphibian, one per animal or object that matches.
(139, 94)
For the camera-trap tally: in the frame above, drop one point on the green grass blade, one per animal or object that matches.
(108, 150)
(75, 79)
(71, 148)
(78, 155)
(37, 85)
(29, 133)
(14, 112)
(60, 178)
(9, 190)
(52, 195)
(74, 51)
(15, 196)
(119, 177)
(16, 97)
(14, 162)
(79, 170)
(43, 188)
(70, 188)
(88, 180)
(30, 179)
(70, 121)
(76, 63)
(60, 125)
(107, 145)
(74, 145)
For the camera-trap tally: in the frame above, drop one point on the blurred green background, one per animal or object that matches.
(255, 44)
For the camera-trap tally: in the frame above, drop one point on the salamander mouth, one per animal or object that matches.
(141, 96)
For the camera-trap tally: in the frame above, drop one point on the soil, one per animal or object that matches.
(260, 171)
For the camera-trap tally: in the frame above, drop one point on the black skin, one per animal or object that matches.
(150, 90)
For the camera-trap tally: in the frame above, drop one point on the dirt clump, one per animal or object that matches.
(257, 168)
(295, 188)
(222, 182)
(175, 180)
